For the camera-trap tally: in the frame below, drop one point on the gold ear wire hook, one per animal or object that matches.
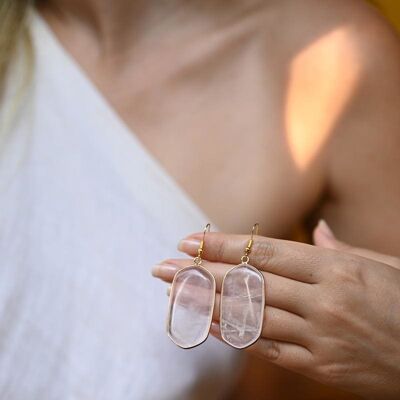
(198, 260)
(254, 231)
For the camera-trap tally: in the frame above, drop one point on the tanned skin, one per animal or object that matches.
(276, 111)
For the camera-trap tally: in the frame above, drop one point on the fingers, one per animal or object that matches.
(372, 255)
(280, 292)
(287, 355)
(284, 326)
(324, 237)
(277, 324)
(293, 260)
(168, 268)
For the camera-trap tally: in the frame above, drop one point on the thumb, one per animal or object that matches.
(324, 237)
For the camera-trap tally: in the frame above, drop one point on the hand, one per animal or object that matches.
(332, 314)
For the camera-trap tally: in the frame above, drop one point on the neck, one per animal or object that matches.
(117, 23)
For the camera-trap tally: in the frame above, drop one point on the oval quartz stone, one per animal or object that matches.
(191, 306)
(242, 306)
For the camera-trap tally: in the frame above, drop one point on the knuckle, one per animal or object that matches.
(331, 310)
(331, 373)
(219, 249)
(264, 251)
(350, 272)
(271, 350)
(334, 308)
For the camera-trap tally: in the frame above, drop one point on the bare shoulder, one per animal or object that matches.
(354, 27)
(359, 51)
(353, 63)
(342, 112)
(342, 63)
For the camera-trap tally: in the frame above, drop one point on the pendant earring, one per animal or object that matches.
(191, 303)
(242, 302)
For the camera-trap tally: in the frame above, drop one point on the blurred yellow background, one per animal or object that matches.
(391, 8)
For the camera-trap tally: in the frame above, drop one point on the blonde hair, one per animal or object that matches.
(14, 36)
(13, 29)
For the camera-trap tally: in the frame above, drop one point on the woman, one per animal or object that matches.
(140, 117)
(331, 315)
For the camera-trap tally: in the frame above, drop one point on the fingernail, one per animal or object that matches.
(164, 270)
(325, 230)
(188, 245)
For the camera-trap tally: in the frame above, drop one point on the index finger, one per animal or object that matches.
(293, 260)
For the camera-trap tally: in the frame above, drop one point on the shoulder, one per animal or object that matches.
(354, 61)
(351, 28)
(344, 92)
(342, 61)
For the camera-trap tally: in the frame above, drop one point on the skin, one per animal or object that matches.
(277, 111)
(332, 314)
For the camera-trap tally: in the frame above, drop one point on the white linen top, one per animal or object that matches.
(85, 212)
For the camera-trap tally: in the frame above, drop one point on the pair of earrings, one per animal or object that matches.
(192, 300)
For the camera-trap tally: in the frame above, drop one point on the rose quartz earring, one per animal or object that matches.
(191, 303)
(242, 302)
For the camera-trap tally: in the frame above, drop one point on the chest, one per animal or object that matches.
(216, 123)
